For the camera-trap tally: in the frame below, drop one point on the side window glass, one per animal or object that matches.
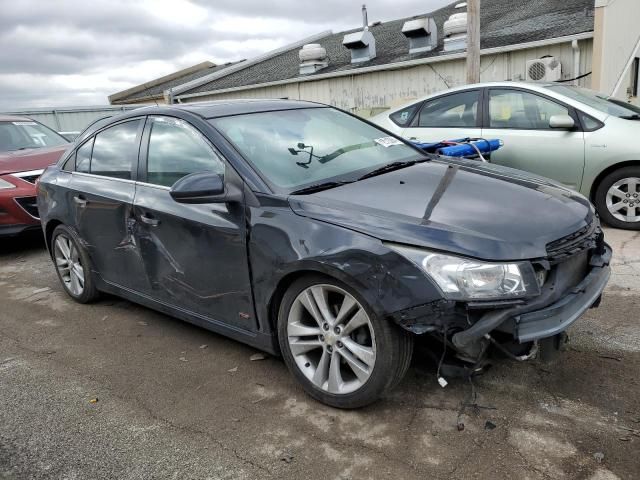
(404, 116)
(522, 110)
(115, 150)
(590, 124)
(457, 110)
(176, 149)
(83, 157)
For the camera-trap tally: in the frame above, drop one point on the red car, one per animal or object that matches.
(26, 149)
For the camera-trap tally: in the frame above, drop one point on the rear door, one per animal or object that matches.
(194, 255)
(521, 119)
(101, 196)
(447, 117)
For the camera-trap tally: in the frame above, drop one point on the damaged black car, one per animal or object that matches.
(309, 233)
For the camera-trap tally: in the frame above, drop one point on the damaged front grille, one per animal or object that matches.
(585, 239)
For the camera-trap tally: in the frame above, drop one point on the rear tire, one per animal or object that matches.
(615, 200)
(73, 265)
(342, 353)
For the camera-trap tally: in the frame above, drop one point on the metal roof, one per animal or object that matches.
(13, 118)
(503, 23)
(156, 88)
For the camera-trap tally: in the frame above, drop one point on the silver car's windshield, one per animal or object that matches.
(595, 100)
(294, 148)
(23, 134)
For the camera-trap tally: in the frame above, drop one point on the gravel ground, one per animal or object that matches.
(113, 390)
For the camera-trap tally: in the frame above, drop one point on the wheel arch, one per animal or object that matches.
(283, 284)
(607, 171)
(48, 232)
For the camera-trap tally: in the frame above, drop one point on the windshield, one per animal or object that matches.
(20, 135)
(294, 148)
(596, 100)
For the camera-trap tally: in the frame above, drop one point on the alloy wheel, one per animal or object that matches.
(623, 199)
(69, 264)
(331, 339)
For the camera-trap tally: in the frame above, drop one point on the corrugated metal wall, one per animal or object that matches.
(371, 93)
(72, 119)
(619, 32)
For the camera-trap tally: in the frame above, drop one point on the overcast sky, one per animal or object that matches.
(77, 52)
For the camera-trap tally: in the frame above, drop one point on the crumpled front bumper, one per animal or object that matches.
(558, 306)
(557, 317)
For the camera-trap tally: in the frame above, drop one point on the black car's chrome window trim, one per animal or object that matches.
(93, 175)
(153, 185)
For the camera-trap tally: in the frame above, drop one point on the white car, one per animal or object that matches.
(575, 136)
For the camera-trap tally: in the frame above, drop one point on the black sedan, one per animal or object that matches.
(307, 232)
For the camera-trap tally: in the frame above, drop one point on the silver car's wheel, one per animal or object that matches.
(69, 265)
(331, 339)
(623, 199)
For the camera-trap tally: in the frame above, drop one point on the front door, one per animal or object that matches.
(195, 255)
(449, 117)
(102, 191)
(521, 120)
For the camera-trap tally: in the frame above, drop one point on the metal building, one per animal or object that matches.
(380, 65)
(70, 119)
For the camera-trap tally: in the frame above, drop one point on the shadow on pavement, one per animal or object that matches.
(26, 242)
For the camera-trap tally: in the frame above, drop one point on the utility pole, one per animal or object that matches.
(473, 41)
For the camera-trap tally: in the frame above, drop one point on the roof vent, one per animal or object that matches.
(313, 57)
(455, 32)
(362, 44)
(422, 34)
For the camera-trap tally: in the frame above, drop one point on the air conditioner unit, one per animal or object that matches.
(546, 69)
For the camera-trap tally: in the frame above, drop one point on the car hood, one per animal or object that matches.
(464, 207)
(30, 159)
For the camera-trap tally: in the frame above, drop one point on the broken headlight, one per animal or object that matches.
(462, 278)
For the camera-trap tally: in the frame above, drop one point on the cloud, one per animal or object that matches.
(77, 52)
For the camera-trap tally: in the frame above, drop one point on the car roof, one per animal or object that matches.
(208, 110)
(540, 87)
(14, 118)
(225, 108)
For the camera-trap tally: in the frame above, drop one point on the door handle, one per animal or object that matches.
(80, 200)
(149, 220)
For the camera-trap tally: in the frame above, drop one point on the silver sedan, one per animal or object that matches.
(575, 136)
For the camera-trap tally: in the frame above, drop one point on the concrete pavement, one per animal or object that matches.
(113, 390)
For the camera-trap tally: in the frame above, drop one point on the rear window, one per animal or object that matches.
(403, 117)
(115, 150)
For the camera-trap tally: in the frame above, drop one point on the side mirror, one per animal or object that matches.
(203, 187)
(561, 121)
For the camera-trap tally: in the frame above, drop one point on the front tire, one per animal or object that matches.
(341, 352)
(617, 198)
(73, 265)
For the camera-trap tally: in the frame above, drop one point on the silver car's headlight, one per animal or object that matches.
(462, 278)
(6, 185)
